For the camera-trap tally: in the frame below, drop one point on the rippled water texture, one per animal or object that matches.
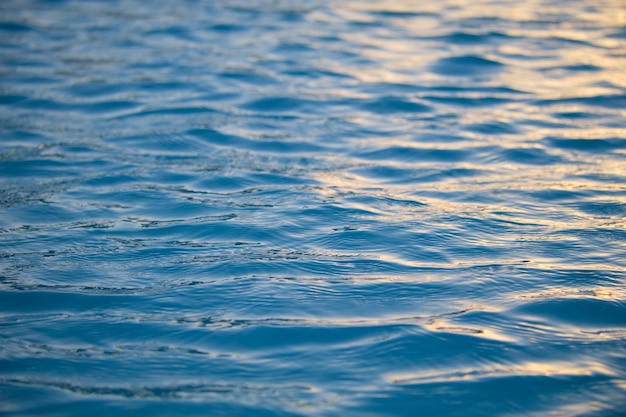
(313, 208)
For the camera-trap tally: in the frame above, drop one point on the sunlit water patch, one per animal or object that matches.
(313, 208)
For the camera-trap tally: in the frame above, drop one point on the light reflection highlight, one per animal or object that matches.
(531, 368)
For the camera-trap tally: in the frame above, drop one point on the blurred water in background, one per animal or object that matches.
(313, 208)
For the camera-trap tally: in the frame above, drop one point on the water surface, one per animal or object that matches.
(312, 208)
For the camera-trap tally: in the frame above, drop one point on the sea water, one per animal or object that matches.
(313, 208)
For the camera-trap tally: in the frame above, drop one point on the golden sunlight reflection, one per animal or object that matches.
(608, 12)
(439, 325)
(531, 368)
(404, 55)
(613, 293)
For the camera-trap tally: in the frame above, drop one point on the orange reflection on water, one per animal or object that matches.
(404, 52)
(496, 370)
(614, 293)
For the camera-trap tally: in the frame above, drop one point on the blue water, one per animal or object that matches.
(313, 208)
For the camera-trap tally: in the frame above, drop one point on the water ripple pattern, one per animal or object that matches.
(312, 208)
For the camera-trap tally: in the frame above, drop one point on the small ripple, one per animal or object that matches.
(103, 107)
(172, 111)
(459, 100)
(493, 128)
(404, 14)
(466, 66)
(391, 105)
(278, 104)
(187, 391)
(250, 77)
(396, 175)
(527, 156)
(610, 101)
(92, 89)
(238, 142)
(399, 153)
(13, 27)
(467, 38)
(587, 145)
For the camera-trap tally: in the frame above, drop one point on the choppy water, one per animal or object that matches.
(313, 208)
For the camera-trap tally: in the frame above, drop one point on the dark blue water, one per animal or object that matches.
(313, 208)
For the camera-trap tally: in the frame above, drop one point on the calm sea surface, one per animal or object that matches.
(313, 208)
